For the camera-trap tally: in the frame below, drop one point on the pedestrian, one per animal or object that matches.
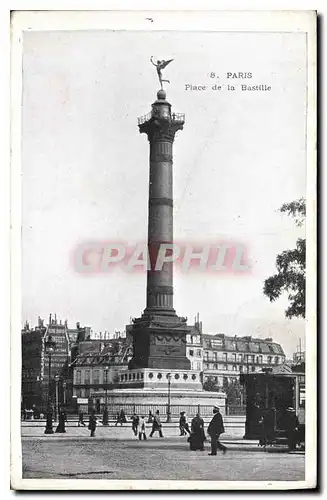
(81, 419)
(291, 425)
(135, 423)
(62, 419)
(150, 417)
(156, 425)
(36, 412)
(216, 427)
(183, 425)
(105, 416)
(142, 428)
(197, 436)
(121, 418)
(92, 423)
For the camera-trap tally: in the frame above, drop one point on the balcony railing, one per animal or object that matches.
(144, 118)
(177, 117)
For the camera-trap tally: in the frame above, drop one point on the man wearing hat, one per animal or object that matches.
(216, 427)
(291, 424)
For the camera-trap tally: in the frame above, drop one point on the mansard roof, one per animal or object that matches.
(251, 344)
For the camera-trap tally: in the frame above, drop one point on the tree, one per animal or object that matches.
(210, 385)
(234, 391)
(290, 277)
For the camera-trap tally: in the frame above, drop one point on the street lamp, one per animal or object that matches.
(57, 378)
(105, 412)
(168, 405)
(50, 346)
(64, 385)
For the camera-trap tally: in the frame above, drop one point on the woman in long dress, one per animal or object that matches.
(197, 437)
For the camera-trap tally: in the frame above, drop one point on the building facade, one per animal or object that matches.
(87, 368)
(225, 357)
(41, 380)
(96, 370)
(194, 346)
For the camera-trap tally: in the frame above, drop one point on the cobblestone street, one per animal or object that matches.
(114, 457)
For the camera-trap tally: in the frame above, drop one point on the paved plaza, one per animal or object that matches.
(115, 454)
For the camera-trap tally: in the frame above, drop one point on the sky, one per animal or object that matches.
(85, 171)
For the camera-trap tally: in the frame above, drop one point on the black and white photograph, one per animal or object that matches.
(163, 225)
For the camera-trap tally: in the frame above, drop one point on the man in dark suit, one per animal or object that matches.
(216, 427)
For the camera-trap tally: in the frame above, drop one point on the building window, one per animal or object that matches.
(198, 353)
(217, 343)
(226, 367)
(241, 369)
(240, 358)
(150, 375)
(225, 357)
(159, 376)
(176, 376)
(191, 352)
(215, 366)
(269, 359)
(96, 377)
(87, 392)
(185, 376)
(206, 355)
(87, 377)
(276, 360)
(234, 367)
(253, 368)
(78, 376)
(130, 376)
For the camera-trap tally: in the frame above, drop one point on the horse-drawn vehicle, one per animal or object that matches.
(275, 408)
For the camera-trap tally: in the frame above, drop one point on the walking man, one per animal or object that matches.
(156, 425)
(216, 427)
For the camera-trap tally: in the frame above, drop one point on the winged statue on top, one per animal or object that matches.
(160, 65)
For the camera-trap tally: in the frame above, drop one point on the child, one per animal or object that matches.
(142, 428)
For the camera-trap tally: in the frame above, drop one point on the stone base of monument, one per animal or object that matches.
(146, 386)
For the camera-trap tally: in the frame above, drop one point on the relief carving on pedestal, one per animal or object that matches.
(168, 350)
(163, 339)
